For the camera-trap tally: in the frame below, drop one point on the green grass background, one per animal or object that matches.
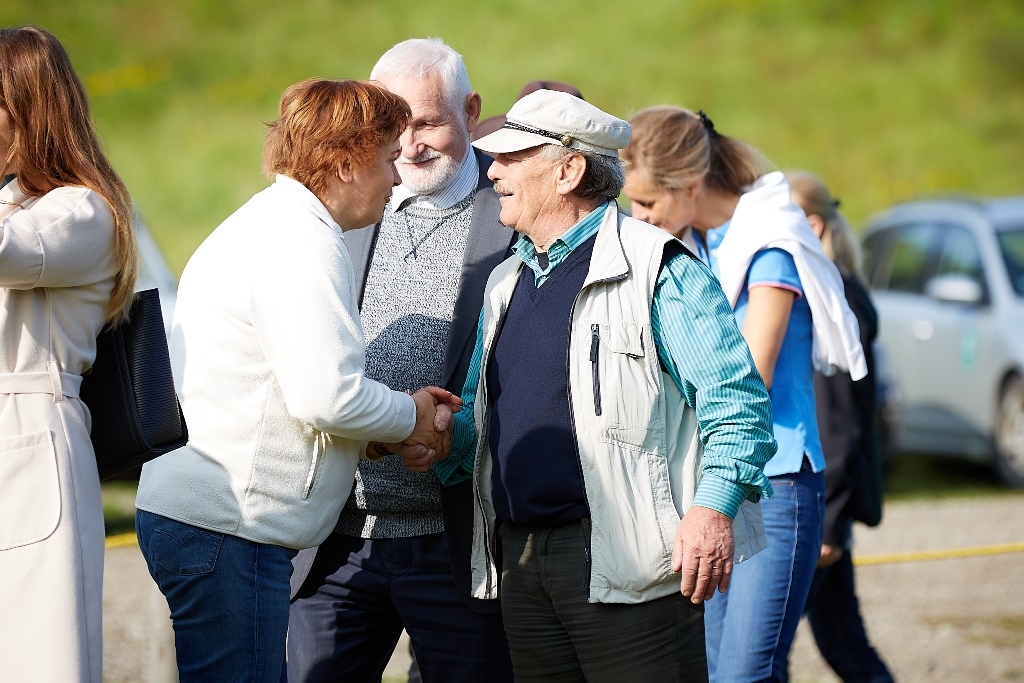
(885, 99)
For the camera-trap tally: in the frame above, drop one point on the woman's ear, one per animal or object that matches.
(345, 170)
(817, 224)
(693, 189)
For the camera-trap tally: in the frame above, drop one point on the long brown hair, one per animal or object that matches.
(54, 143)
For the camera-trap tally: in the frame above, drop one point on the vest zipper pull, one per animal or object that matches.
(595, 344)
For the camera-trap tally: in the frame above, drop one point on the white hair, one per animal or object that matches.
(420, 57)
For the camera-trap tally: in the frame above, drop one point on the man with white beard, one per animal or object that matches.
(400, 555)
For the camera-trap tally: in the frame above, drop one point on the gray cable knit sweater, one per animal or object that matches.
(408, 300)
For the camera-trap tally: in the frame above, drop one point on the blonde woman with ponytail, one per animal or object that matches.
(716, 194)
(67, 267)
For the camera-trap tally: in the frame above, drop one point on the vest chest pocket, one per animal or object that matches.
(624, 393)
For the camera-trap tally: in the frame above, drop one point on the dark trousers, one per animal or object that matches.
(360, 593)
(834, 615)
(554, 634)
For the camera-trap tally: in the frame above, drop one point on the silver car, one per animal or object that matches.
(947, 276)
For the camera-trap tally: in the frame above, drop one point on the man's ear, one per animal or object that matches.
(345, 169)
(570, 173)
(473, 104)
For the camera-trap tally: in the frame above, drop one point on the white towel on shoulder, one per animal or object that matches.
(767, 218)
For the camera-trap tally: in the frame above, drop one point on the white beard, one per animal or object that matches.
(427, 181)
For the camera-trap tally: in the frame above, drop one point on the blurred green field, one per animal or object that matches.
(886, 100)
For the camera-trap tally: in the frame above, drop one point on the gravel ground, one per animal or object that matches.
(950, 619)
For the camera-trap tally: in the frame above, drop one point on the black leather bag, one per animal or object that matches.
(130, 392)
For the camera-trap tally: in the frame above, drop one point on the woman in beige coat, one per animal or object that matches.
(67, 267)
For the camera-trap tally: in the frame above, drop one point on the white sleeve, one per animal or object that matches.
(314, 342)
(65, 239)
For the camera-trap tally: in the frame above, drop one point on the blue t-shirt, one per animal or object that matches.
(795, 423)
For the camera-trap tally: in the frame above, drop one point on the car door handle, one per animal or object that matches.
(923, 330)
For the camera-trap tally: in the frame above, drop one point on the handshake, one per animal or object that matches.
(431, 438)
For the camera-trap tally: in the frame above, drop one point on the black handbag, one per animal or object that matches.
(130, 391)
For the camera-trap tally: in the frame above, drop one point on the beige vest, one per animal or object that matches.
(641, 457)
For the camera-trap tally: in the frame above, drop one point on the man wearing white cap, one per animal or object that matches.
(611, 391)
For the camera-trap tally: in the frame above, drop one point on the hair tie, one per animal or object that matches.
(709, 125)
(833, 208)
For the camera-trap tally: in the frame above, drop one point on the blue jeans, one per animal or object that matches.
(750, 628)
(228, 599)
(834, 614)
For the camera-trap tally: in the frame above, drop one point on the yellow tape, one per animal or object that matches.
(925, 555)
(124, 540)
(121, 540)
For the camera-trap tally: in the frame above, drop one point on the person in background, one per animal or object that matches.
(399, 556)
(493, 123)
(847, 423)
(68, 264)
(714, 192)
(602, 518)
(269, 361)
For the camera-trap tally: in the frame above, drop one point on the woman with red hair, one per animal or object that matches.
(268, 356)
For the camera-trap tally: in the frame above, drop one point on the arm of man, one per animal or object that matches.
(704, 353)
(458, 466)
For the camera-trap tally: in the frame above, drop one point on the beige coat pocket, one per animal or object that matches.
(29, 490)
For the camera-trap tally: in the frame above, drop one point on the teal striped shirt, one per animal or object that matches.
(703, 352)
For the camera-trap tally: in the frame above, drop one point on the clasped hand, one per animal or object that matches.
(431, 438)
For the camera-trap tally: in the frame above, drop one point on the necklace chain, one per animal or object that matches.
(416, 243)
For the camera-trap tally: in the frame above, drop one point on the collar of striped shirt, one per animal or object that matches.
(561, 247)
(457, 189)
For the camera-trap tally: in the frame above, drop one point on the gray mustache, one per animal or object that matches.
(420, 158)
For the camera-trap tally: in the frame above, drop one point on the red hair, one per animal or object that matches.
(323, 121)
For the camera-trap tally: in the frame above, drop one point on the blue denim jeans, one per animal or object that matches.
(228, 599)
(750, 628)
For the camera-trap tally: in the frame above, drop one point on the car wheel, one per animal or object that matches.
(1009, 437)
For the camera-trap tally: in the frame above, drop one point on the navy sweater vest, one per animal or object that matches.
(536, 476)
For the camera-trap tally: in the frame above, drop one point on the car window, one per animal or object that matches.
(902, 267)
(872, 249)
(1011, 243)
(960, 255)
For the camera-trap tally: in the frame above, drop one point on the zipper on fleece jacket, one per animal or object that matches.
(595, 345)
(319, 446)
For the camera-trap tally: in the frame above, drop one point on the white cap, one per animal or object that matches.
(550, 117)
